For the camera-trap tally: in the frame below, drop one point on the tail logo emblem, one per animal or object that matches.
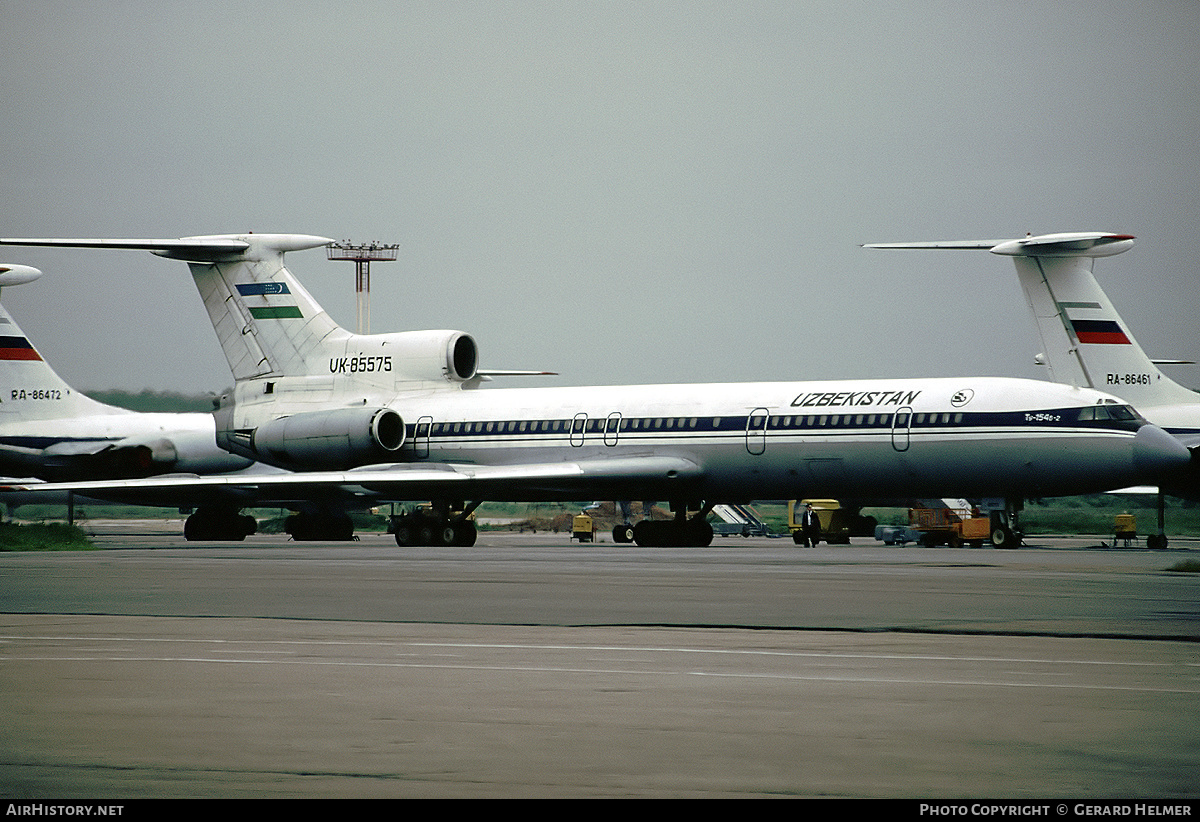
(267, 308)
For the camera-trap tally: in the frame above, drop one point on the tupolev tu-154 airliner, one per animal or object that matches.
(404, 416)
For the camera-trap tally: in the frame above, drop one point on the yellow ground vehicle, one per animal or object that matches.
(1124, 528)
(950, 526)
(835, 522)
(583, 528)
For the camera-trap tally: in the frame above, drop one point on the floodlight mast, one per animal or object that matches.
(362, 255)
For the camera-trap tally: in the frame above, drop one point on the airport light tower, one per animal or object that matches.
(362, 255)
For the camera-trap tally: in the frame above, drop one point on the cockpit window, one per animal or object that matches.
(1122, 413)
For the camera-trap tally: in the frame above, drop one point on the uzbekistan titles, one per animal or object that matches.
(839, 399)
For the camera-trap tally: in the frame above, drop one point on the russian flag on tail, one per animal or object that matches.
(1099, 332)
(17, 348)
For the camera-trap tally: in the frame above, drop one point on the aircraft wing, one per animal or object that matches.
(621, 477)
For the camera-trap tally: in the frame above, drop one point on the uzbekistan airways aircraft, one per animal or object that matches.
(1086, 343)
(50, 431)
(397, 416)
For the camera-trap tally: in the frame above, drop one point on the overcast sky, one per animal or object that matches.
(620, 192)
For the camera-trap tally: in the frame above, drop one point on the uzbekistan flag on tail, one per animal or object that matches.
(17, 348)
(269, 301)
(1099, 332)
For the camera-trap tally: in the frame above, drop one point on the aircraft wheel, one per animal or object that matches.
(1156, 542)
(465, 534)
(212, 526)
(623, 534)
(649, 534)
(341, 528)
(307, 527)
(698, 534)
(192, 529)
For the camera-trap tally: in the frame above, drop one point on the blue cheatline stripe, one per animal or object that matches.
(808, 424)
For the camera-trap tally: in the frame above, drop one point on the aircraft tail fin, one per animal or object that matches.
(29, 388)
(266, 322)
(1084, 340)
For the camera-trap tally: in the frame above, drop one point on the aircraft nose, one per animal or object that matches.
(1155, 451)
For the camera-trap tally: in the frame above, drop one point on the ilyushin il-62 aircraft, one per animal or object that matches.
(1086, 343)
(404, 416)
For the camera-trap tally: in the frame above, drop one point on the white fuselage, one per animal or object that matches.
(935, 437)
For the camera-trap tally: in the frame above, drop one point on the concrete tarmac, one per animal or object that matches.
(529, 666)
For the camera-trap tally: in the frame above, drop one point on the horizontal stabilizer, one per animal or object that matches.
(214, 248)
(981, 245)
(1074, 244)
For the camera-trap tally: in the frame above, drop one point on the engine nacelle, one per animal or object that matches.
(127, 459)
(333, 439)
(406, 356)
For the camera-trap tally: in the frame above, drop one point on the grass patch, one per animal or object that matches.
(53, 536)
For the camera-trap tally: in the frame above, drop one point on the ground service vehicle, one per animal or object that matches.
(955, 526)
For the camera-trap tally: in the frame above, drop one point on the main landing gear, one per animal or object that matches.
(1158, 542)
(682, 531)
(449, 526)
(218, 522)
(320, 526)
